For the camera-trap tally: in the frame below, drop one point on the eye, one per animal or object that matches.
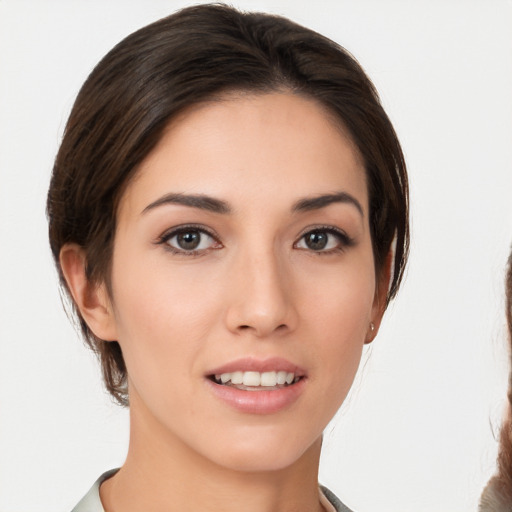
(324, 240)
(191, 240)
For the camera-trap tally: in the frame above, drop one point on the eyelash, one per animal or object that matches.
(344, 241)
(189, 228)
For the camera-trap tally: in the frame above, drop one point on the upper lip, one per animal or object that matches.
(252, 364)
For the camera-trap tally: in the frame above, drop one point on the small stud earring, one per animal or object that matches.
(371, 333)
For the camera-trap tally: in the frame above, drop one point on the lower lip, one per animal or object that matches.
(258, 402)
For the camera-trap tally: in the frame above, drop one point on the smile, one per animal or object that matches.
(254, 386)
(254, 381)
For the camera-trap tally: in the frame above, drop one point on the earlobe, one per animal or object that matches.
(370, 334)
(92, 300)
(380, 299)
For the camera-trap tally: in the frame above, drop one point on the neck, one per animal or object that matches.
(163, 474)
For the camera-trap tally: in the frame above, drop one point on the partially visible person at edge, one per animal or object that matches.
(497, 495)
(228, 213)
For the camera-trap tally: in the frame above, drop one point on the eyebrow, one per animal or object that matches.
(315, 203)
(200, 201)
(211, 204)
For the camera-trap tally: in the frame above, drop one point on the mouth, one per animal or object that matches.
(258, 386)
(257, 381)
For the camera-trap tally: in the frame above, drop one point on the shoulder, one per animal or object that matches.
(91, 501)
(336, 503)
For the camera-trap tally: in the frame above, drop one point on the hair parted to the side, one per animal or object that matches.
(497, 495)
(195, 55)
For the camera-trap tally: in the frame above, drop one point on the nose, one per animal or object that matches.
(261, 297)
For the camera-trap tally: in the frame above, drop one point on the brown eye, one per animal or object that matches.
(189, 240)
(324, 240)
(316, 241)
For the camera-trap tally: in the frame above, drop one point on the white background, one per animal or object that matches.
(417, 431)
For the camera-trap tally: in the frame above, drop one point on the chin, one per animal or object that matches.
(258, 453)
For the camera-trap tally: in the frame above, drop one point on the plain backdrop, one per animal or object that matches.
(418, 430)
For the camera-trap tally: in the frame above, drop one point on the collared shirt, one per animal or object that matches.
(91, 501)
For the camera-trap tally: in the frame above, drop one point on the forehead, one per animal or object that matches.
(277, 147)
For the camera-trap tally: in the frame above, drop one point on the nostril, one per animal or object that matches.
(245, 327)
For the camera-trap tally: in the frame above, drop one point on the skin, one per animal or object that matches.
(254, 288)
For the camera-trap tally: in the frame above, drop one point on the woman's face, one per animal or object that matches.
(243, 281)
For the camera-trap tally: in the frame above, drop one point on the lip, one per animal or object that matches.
(258, 401)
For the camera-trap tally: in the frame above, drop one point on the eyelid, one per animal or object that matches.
(180, 228)
(344, 239)
(183, 228)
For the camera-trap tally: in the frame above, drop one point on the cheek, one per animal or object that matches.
(162, 318)
(340, 300)
(153, 293)
(338, 311)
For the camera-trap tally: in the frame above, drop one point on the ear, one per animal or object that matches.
(380, 298)
(91, 300)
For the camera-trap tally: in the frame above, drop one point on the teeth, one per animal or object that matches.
(269, 379)
(235, 377)
(281, 378)
(251, 379)
(257, 379)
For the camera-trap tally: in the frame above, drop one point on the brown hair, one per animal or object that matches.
(497, 496)
(195, 55)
